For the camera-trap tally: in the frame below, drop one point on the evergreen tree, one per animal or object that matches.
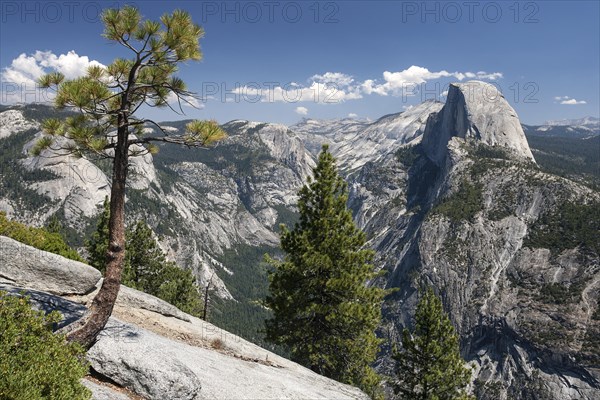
(108, 125)
(146, 267)
(53, 225)
(429, 365)
(323, 309)
(144, 259)
(98, 244)
(179, 288)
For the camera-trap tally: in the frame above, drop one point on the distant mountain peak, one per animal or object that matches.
(584, 121)
(477, 111)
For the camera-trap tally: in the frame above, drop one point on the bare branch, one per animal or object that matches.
(181, 140)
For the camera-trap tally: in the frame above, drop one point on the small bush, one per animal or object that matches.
(217, 344)
(40, 238)
(34, 362)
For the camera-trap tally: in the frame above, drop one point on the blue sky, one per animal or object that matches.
(280, 61)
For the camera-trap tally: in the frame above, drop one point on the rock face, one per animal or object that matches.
(133, 298)
(475, 111)
(144, 363)
(357, 142)
(13, 121)
(183, 358)
(158, 368)
(28, 267)
(202, 202)
(460, 216)
(80, 186)
(100, 392)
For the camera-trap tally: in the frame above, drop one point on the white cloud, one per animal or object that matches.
(186, 101)
(573, 102)
(71, 65)
(316, 92)
(337, 87)
(336, 78)
(568, 100)
(302, 110)
(26, 69)
(405, 82)
(23, 72)
(352, 115)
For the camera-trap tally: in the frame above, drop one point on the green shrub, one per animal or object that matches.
(40, 238)
(555, 293)
(485, 151)
(566, 227)
(34, 362)
(462, 205)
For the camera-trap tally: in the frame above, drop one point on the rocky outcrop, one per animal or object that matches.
(475, 111)
(13, 121)
(132, 298)
(29, 267)
(160, 357)
(101, 392)
(158, 368)
(150, 366)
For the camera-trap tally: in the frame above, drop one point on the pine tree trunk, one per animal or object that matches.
(103, 303)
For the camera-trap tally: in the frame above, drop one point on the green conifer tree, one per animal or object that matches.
(53, 225)
(429, 365)
(146, 267)
(98, 243)
(323, 309)
(144, 259)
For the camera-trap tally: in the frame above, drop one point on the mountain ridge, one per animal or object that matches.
(465, 214)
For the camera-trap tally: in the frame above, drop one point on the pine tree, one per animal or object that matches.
(107, 124)
(323, 309)
(179, 288)
(146, 266)
(53, 225)
(144, 259)
(147, 269)
(98, 243)
(429, 365)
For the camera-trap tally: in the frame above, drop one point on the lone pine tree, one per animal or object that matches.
(429, 365)
(323, 309)
(107, 100)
